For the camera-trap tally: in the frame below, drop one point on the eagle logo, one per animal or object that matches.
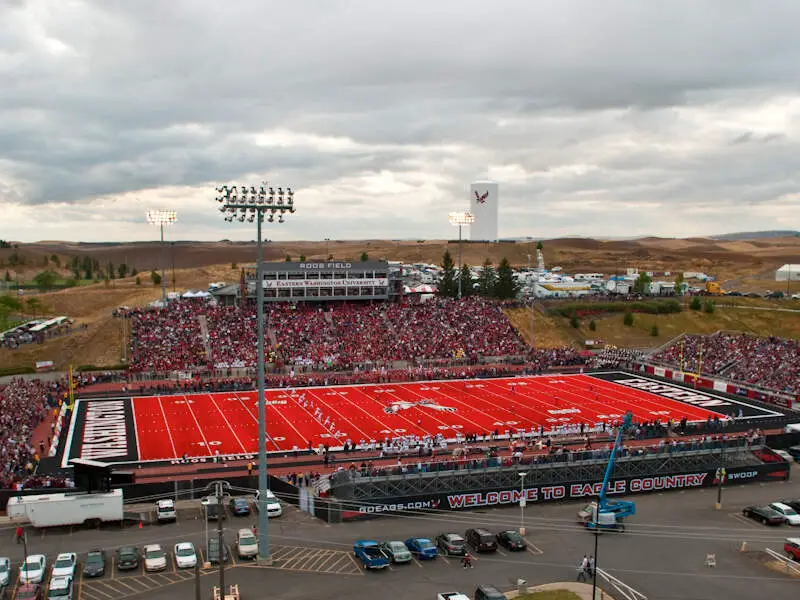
(481, 198)
(400, 405)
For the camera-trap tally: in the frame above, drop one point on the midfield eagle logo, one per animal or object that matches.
(481, 198)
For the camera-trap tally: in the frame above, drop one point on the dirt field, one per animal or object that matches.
(746, 265)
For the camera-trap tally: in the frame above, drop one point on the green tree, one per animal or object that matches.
(15, 260)
(8, 305)
(487, 279)
(155, 277)
(574, 323)
(45, 261)
(506, 286)
(302, 258)
(234, 266)
(288, 258)
(627, 320)
(679, 283)
(134, 272)
(642, 284)
(695, 304)
(540, 246)
(138, 280)
(45, 280)
(110, 272)
(87, 268)
(448, 286)
(55, 260)
(330, 256)
(122, 270)
(364, 256)
(592, 325)
(654, 331)
(8, 276)
(75, 267)
(708, 307)
(466, 281)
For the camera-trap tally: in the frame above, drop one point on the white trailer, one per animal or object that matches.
(54, 510)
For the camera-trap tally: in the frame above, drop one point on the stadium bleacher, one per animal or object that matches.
(770, 363)
(348, 335)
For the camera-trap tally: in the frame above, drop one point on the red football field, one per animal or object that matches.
(168, 427)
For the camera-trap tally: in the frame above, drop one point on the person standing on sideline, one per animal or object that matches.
(582, 568)
(250, 469)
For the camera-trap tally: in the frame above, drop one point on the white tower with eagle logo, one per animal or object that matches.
(484, 199)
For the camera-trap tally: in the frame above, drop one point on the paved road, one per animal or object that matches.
(662, 554)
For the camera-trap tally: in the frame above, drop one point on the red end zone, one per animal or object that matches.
(167, 427)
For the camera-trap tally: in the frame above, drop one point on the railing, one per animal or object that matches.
(622, 590)
(791, 566)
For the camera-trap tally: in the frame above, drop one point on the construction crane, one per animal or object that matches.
(605, 514)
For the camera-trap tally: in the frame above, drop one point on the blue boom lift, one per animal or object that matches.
(609, 515)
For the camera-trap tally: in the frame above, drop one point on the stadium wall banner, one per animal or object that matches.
(273, 284)
(718, 385)
(458, 500)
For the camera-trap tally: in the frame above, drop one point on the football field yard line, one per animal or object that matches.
(255, 420)
(166, 424)
(227, 422)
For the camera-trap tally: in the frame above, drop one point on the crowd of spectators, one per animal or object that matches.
(766, 362)
(24, 405)
(196, 333)
(611, 357)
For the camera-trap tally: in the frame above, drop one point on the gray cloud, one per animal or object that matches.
(380, 113)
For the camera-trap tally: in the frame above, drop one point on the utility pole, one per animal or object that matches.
(221, 538)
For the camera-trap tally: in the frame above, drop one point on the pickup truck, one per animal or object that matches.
(368, 552)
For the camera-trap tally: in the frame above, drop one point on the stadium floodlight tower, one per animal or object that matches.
(242, 203)
(459, 219)
(162, 217)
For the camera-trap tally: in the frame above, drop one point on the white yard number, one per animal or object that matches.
(213, 443)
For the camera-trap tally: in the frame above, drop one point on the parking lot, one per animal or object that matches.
(662, 554)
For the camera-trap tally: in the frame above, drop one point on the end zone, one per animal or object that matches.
(102, 430)
(724, 405)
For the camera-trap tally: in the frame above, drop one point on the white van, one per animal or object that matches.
(165, 511)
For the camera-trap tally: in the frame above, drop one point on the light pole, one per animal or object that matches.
(522, 503)
(251, 204)
(459, 219)
(162, 217)
(327, 253)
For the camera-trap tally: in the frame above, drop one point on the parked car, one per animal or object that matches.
(274, 508)
(60, 588)
(127, 558)
(213, 553)
(65, 565)
(422, 548)
(488, 592)
(790, 515)
(95, 564)
(155, 559)
(396, 551)
(246, 544)
(5, 571)
(512, 540)
(165, 511)
(239, 507)
(792, 548)
(795, 504)
(451, 544)
(370, 555)
(185, 555)
(33, 569)
(763, 514)
(481, 539)
(29, 591)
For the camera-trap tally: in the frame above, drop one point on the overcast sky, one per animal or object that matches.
(602, 118)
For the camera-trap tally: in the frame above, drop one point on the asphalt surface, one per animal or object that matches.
(662, 554)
